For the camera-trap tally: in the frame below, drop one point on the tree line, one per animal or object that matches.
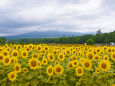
(88, 38)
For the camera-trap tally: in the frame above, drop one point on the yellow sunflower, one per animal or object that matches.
(79, 71)
(5, 52)
(24, 54)
(104, 65)
(61, 56)
(34, 55)
(33, 63)
(87, 64)
(97, 70)
(97, 57)
(25, 70)
(70, 65)
(17, 68)
(12, 76)
(1, 57)
(105, 57)
(49, 70)
(6, 60)
(14, 53)
(75, 63)
(44, 61)
(113, 56)
(90, 56)
(50, 57)
(58, 69)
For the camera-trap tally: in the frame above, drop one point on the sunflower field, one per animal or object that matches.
(57, 65)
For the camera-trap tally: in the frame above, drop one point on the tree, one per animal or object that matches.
(98, 32)
(90, 41)
(106, 40)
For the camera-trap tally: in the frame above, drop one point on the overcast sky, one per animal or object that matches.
(21, 16)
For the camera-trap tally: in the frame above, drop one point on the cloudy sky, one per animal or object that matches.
(22, 16)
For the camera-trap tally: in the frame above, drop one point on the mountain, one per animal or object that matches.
(46, 34)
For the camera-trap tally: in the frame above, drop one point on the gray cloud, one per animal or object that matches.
(21, 16)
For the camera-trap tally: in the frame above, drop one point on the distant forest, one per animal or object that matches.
(89, 39)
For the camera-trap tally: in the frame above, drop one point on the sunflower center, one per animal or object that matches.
(79, 71)
(35, 56)
(15, 54)
(44, 61)
(33, 63)
(17, 68)
(103, 65)
(24, 54)
(51, 57)
(90, 56)
(61, 56)
(58, 69)
(109, 50)
(12, 76)
(39, 48)
(87, 64)
(6, 60)
(50, 70)
(113, 55)
(75, 63)
(97, 57)
(1, 57)
(5, 53)
(97, 70)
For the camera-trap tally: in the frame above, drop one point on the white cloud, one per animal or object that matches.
(44, 15)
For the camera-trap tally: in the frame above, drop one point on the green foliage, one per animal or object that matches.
(2, 40)
(90, 41)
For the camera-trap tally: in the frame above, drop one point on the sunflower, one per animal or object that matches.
(75, 63)
(97, 70)
(73, 57)
(79, 71)
(81, 60)
(34, 55)
(33, 63)
(104, 65)
(5, 52)
(15, 53)
(6, 61)
(14, 60)
(58, 69)
(12, 76)
(50, 57)
(25, 70)
(70, 65)
(61, 56)
(97, 57)
(44, 61)
(105, 57)
(39, 47)
(113, 56)
(90, 56)
(55, 52)
(24, 54)
(49, 70)
(1, 57)
(87, 64)
(109, 50)
(17, 68)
